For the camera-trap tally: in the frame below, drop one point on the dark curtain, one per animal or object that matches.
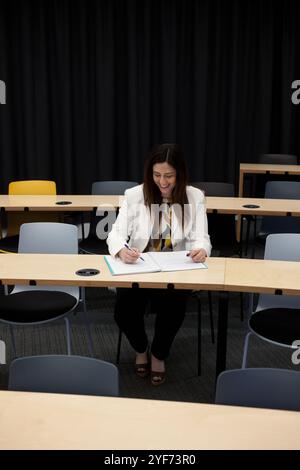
(92, 85)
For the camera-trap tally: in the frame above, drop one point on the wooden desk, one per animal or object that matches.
(49, 203)
(262, 276)
(48, 421)
(222, 205)
(267, 169)
(44, 269)
(236, 205)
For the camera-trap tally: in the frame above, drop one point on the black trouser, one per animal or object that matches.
(169, 307)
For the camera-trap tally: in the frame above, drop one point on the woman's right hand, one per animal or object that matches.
(129, 256)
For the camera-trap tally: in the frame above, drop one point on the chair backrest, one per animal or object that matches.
(215, 189)
(48, 237)
(281, 190)
(64, 374)
(112, 188)
(106, 188)
(260, 388)
(25, 188)
(281, 247)
(32, 187)
(278, 159)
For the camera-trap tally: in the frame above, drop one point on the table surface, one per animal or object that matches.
(223, 274)
(262, 276)
(269, 167)
(226, 205)
(56, 421)
(61, 269)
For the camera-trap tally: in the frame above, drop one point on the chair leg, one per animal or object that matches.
(82, 225)
(119, 347)
(211, 317)
(13, 340)
(69, 352)
(245, 353)
(199, 330)
(87, 324)
(241, 306)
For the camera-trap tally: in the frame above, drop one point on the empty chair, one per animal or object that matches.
(29, 305)
(287, 224)
(93, 244)
(276, 318)
(64, 374)
(15, 219)
(215, 188)
(259, 388)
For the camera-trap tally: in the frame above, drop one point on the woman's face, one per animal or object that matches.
(164, 176)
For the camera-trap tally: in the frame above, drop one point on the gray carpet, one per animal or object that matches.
(182, 382)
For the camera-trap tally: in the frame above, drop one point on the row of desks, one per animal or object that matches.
(222, 205)
(223, 274)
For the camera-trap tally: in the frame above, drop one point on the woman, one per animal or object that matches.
(162, 214)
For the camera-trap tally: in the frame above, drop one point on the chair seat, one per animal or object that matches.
(35, 306)
(10, 244)
(281, 325)
(93, 245)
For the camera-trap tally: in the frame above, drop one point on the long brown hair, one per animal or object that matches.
(173, 155)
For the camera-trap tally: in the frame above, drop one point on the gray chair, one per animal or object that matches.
(213, 188)
(93, 244)
(259, 388)
(276, 318)
(280, 190)
(31, 305)
(64, 374)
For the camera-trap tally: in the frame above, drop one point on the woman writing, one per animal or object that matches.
(162, 214)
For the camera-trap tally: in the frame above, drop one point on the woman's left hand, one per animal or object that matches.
(198, 256)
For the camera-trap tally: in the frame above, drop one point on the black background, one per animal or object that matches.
(92, 85)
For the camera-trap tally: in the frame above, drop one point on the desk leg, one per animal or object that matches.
(241, 192)
(222, 332)
(3, 221)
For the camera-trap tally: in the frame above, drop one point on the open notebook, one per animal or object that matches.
(154, 262)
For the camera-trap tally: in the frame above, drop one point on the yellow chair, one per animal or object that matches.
(32, 187)
(9, 244)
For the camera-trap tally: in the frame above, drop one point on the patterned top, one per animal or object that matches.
(163, 240)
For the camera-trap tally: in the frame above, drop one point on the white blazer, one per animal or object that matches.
(134, 223)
